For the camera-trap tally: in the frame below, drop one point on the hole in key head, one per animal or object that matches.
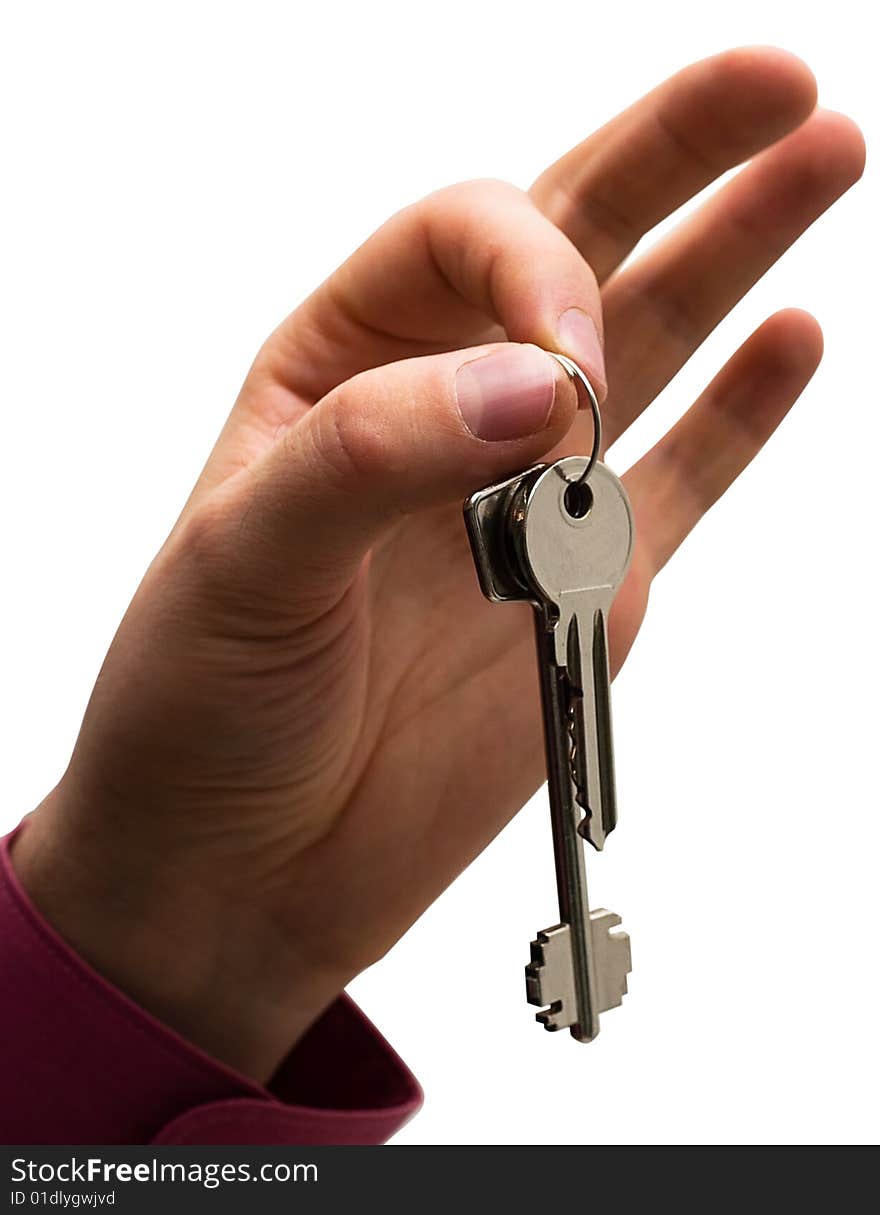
(578, 498)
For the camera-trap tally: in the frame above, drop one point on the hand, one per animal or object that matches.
(309, 720)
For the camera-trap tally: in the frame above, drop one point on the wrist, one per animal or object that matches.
(210, 963)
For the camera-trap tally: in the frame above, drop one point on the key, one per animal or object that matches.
(565, 547)
(575, 544)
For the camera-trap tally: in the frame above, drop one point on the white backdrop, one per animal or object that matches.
(175, 178)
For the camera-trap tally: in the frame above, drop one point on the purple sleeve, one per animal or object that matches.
(82, 1063)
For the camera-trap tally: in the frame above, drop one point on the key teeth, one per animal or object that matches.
(550, 967)
(550, 973)
(614, 957)
(588, 830)
(534, 969)
(548, 1018)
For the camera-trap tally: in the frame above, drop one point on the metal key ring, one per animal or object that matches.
(577, 377)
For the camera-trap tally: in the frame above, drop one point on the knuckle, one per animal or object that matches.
(466, 197)
(350, 440)
(193, 575)
(672, 313)
(202, 537)
(468, 229)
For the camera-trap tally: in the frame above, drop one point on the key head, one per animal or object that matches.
(573, 538)
(488, 523)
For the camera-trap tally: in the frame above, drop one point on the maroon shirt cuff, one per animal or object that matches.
(82, 1063)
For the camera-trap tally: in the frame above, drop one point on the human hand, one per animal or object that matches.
(309, 721)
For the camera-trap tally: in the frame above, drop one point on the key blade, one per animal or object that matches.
(568, 845)
(589, 719)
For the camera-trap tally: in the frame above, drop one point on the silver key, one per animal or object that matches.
(565, 548)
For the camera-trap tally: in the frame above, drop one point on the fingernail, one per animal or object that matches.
(507, 394)
(579, 339)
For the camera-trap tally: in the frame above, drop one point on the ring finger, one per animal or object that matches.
(677, 481)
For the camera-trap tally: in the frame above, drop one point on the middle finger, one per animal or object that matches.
(610, 190)
(662, 307)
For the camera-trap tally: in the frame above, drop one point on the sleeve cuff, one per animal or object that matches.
(82, 1063)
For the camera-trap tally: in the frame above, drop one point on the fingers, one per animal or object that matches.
(637, 169)
(455, 263)
(675, 483)
(442, 273)
(411, 435)
(659, 310)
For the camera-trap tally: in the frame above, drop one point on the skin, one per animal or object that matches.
(309, 721)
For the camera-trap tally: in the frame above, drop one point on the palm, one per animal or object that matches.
(459, 673)
(460, 676)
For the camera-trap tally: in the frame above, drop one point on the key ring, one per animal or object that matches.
(577, 377)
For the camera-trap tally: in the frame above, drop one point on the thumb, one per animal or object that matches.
(396, 439)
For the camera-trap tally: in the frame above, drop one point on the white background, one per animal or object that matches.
(175, 178)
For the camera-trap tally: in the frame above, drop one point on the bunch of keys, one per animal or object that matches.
(560, 536)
